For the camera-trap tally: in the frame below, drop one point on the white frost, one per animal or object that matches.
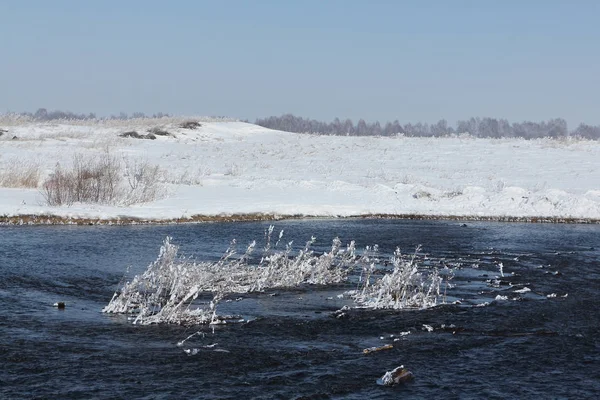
(166, 292)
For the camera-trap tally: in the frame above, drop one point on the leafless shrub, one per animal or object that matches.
(233, 170)
(97, 181)
(57, 189)
(101, 180)
(143, 180)
(452, 194)
(89, 181)
(192, 176)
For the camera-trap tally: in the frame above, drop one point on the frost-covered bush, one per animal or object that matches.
(143, 182)
(281, 269)
(407, 286)
(167, 290)
(233, 169)
(164, 292)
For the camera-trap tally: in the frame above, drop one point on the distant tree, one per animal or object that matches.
(41, 114)
(587, 132)
(471, 127)
(440, 129)
(361, 128)
(504, 128)
(393, 128)
(557, 128)
(335, 126)
(348, 128)
(375, 129)
(418, 129)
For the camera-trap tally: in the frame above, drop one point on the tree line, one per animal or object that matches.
(477, 127)
(43, 114)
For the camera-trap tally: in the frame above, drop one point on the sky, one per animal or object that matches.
(415, 61)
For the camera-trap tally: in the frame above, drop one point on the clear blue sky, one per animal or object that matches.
(379, 60)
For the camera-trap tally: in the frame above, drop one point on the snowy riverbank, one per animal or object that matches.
(235, 168)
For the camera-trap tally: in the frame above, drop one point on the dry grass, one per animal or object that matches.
(8, 120)
(190, 125)
(20, 174)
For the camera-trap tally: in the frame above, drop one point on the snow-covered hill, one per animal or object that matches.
(240, 168)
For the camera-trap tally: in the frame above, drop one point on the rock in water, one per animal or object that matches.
(373, 349)
(60, 305)
(396, 376)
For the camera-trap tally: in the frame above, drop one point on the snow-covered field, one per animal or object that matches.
(225, 168)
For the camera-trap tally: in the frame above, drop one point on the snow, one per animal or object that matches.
(225, 168)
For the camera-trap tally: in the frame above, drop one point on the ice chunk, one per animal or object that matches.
(396, 376)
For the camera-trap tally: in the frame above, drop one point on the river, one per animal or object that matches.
(527, 330)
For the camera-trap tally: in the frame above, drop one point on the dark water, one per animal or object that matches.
(529, 346)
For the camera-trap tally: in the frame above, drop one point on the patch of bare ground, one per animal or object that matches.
(48, 219)
(530, 219)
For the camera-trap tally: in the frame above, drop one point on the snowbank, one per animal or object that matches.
(225, 168)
